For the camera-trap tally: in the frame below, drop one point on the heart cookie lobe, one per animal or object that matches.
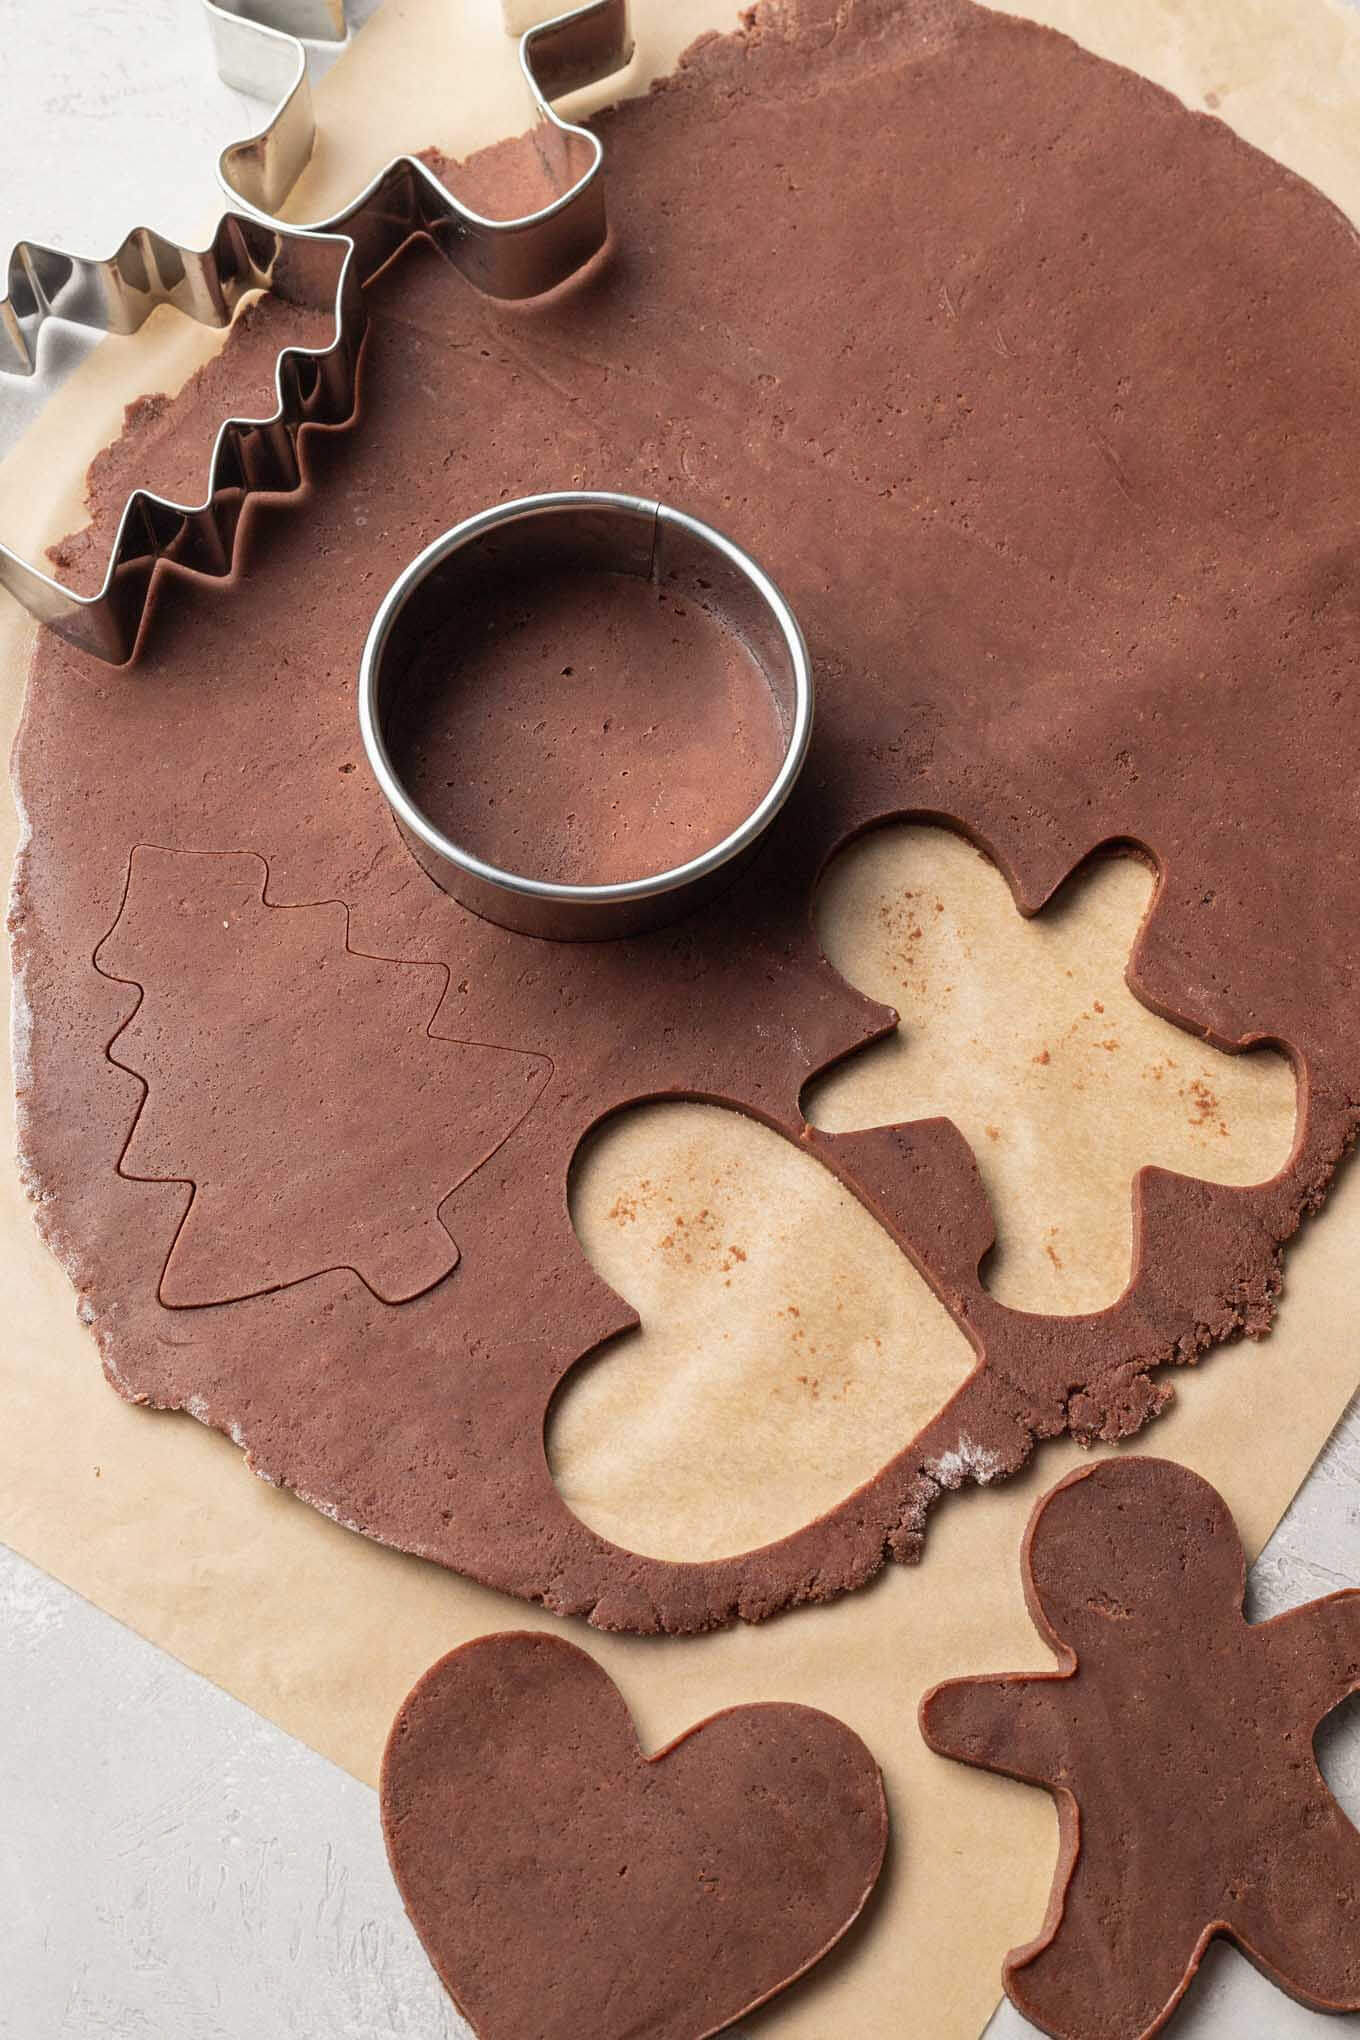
(564, 1883)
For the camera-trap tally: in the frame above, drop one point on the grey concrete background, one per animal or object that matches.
(171, 1866)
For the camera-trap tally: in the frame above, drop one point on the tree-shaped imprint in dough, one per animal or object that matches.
(321, 1121)
(1026, 1035)
(1178, 1742)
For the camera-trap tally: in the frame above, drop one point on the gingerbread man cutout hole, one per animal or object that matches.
(761, 1388)
(1025, 1034)
(1178, 1741)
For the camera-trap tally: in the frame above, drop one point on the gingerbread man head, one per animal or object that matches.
(1108, 1561)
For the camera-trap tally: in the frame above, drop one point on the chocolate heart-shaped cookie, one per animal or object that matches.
(568, 1887)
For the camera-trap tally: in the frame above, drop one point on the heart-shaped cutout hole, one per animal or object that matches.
(566, 1884)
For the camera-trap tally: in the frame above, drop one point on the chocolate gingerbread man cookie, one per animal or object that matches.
(1177, 1741)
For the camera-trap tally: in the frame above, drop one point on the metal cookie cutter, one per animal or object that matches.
(591, 531)
(258, 48)
(118, 295)
(512, 258)
(326, 262)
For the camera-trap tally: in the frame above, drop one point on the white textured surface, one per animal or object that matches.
(171, 1866)
(113, 118)
(174, 1868)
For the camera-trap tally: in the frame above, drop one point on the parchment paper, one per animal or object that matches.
(159, 1522)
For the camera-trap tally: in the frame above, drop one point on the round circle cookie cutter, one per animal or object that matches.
(596, 531)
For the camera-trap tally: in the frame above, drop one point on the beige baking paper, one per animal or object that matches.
(158, 1521)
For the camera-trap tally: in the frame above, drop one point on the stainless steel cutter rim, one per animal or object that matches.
(93, 622)
(266, 57)
(657, 887)
(294, 112)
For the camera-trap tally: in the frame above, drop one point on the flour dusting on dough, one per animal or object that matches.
(196, 1406)
(21, 1015)
(21, 1057)
(20, 1007)
(21, 1033)
(121, 1382)
(965, 1461)
(21, 1024)
(25, 837)
(326, 1509)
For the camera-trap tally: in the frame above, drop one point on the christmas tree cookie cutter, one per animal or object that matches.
(118, 295)
(323, 262)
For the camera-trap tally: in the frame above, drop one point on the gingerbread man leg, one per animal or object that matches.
(1303, 1930)
(1116, 1954)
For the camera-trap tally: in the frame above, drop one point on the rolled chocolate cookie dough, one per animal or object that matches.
(1025, 384)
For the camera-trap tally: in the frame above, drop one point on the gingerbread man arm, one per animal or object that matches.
(1014, 1724)
(1320, 1641)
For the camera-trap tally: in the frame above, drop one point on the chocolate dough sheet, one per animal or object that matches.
(1022, 381)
